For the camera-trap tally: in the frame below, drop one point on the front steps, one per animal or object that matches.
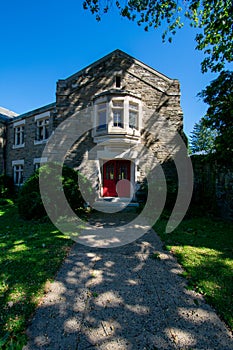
(114, 204)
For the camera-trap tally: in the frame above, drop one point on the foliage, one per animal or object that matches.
(29, 200)
(202, 138)
(6, 186)
(212, 17)
(31, 253)
(219, 117)
(203, 246)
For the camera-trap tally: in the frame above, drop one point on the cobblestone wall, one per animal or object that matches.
(213, 186)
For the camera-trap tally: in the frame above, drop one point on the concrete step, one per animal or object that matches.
(114, 204)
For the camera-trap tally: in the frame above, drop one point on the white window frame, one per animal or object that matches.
(121, 109)
(18, 170)
(101, 107)
(19, 130)
(125, 128)
(136, 112)
(102, 100)
(42, 121)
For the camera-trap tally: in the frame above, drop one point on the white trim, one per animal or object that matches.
(42, 115)
(40, 160)
(18, 162)
(40, 142)
(20, 122)
(18, 146)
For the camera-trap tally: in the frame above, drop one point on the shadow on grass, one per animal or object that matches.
(128, 297)
(31, 253)
(204, 247)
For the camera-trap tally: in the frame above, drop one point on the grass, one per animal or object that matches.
(204, 247)
(31, 253)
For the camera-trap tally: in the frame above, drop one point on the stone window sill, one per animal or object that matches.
(40, 142)
(18, 146)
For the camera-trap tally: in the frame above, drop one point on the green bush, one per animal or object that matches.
(30, 204)
(6, 186)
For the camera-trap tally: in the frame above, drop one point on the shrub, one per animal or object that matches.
(6, 186)
(29, 199)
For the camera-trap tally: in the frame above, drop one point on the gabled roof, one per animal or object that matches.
(118, 53)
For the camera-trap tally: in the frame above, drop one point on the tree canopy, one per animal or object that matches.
(212, 17)
(219, 117)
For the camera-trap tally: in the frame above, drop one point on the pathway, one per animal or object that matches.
(124, 299)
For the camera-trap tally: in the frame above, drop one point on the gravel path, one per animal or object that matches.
(125, 299)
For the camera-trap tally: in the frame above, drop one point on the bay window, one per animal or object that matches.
(117, 114)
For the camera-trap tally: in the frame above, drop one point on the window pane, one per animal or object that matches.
(40, 133)
(118, 103)
(17, 136)
(101, 106)
(133, 106)
(101, 116)
(133, 119)
(122, 172)
(46, 132)
(109, 172)
(22, 134)
(18, 174)
(118, 118)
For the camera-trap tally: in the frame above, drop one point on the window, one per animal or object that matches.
(18, 134)
(101, 116)
(42, 129)
(18, 171)
(133, 115)
(38, 162)
(118, 81)
(118, 113)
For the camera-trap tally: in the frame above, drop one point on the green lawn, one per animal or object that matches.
(30, 254)
(204, 247)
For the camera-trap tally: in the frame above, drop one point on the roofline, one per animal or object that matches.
(4, 118)
(118, 51)
(34, 112)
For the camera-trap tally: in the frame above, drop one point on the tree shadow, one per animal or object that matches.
(129, 297)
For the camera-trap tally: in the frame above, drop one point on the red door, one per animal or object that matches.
(116, 177)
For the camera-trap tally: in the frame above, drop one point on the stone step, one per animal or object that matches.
(114, 204)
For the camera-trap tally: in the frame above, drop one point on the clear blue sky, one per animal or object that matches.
(48, 40)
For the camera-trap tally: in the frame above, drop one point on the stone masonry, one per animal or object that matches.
(161, 118)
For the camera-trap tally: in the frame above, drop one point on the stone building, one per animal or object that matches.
(130, 115)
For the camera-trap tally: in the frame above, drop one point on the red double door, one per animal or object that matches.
(113, 172)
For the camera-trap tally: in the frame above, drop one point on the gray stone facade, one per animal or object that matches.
(124, 88)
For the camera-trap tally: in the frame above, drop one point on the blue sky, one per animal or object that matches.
(44, 41)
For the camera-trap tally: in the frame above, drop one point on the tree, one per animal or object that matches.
(212, 17)
(219, 117)
(202, 138)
